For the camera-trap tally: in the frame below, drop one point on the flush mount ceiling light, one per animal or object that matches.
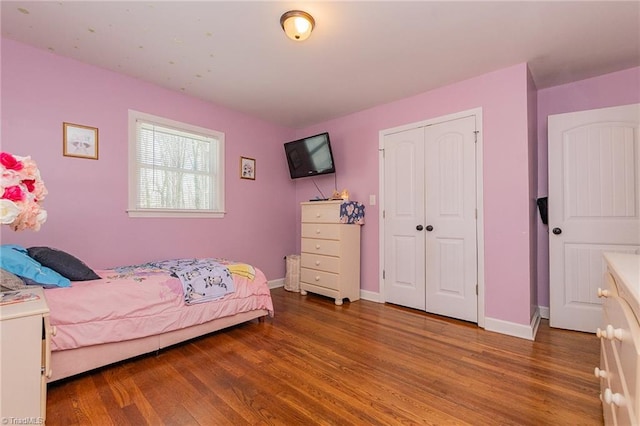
(297, 24)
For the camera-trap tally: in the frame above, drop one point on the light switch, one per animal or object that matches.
(372, 200)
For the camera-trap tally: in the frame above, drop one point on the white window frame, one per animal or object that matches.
(217, 188)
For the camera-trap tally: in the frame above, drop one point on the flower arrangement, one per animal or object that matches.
(22, 192)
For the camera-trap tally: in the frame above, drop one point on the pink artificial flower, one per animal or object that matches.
(9, 178)
(10, 162)
(31, 217)
(30, 169)
(13, 193)
(30, 184)
(22, 191)
(39, 189)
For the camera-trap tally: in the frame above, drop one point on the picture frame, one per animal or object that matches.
(247, 168)
(79, 141)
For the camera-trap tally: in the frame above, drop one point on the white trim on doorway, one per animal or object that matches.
(477, 112)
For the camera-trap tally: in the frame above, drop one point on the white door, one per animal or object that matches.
(451, 261)
(404, 250)
(594, 207)
(430, 259)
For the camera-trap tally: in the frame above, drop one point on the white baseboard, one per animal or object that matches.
(371, 296)
(544, 312)
(512, 329)
(276, 283)
(490, 324)
(364, 294)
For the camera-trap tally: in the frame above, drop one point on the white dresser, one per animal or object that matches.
(330, 258)
(24, 360)
(619, 370)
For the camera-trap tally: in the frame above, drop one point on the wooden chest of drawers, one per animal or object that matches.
(619, 370)
(330, 259)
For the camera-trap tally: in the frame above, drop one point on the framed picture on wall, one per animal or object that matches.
(247, 168)
(79, 141)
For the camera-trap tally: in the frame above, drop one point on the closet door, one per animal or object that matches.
(594, 207)
(451, 261)
(430, 219)
(404, 188)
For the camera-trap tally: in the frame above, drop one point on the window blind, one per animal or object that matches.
(176, 169)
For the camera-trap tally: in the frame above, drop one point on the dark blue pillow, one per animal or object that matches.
(63, 263)
(15, 259)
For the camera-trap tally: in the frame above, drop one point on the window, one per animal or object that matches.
(175, 169)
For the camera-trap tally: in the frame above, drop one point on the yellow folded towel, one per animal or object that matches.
(242, 270)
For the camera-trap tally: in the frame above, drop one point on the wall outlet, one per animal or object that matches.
(372, 200)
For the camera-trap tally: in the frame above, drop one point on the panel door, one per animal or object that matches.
(451, 261)
(404, 189)
(430, 225)
(594, 193)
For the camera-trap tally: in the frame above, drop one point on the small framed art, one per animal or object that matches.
(247, 168)
(79, 141)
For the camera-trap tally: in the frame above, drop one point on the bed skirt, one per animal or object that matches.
(70, 362)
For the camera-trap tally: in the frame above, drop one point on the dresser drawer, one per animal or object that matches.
(321, 213)
(325, 247)
(624, 357)
(330, 252)
(606, 352)
(319, 278)
(326, 231)
(320, 262)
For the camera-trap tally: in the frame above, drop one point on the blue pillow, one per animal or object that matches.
(15, 259)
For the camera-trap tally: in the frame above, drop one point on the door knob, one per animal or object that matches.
(557, 231)
(429, 228)
(419, 228)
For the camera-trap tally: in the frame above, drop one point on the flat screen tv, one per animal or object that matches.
(310, 156)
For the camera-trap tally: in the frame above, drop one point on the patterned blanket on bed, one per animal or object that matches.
(202, 279)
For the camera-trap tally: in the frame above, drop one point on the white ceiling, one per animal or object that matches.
(361, 54)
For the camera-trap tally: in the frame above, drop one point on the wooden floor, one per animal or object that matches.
(360, 363)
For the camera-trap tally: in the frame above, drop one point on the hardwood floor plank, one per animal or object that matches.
(359, 363)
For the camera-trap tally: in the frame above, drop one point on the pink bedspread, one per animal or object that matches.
(148, 302)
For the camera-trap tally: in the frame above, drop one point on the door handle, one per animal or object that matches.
(419, 228)
(429, 228)
(557, 231)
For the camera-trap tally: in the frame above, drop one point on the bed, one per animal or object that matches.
(99, 317)
(139, 309)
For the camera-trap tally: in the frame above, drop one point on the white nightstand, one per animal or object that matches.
(24, 359)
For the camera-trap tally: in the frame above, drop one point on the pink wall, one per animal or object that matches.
(503, 98)
(87, 198)
(534, 217)
(618, 88)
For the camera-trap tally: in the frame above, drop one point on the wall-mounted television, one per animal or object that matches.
(310, 156)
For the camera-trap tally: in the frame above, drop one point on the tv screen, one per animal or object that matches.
(310, 156)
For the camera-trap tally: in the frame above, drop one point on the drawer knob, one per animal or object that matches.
(600, 374)
(603, 293)
(317, 246)
(614, 333)
(317, 231)
(317, 278)
(613, 398)
(317, 263)
(54, 330)
(318, 215)
(610, 333)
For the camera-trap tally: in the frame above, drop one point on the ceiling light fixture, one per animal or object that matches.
(297, 25)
